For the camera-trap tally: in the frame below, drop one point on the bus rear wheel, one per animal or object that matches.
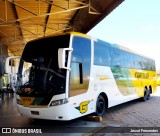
(146, 94)
(100, 106)
(149, 95)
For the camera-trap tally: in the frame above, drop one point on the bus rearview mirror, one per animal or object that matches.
(62, 57)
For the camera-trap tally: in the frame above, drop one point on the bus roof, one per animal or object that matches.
(80, 34)
(121, 48)
(99, 41)
(69, 33)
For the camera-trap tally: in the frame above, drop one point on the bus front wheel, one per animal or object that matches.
(100, 106)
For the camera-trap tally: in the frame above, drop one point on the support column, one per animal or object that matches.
(3, 56)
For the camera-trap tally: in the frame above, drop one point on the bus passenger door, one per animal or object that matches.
(80, 66)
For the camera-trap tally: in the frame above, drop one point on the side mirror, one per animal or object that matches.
(62, 57)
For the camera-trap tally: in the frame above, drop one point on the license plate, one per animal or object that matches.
(26, 101)
(35, 112)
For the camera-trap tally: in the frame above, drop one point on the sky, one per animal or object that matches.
(134, 24)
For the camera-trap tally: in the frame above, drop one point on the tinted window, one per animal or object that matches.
(117, 58)
(101, 55)
(149, 64)
(75, 73)
(82, 53)
(128, 60)
(153, 65)
(39, 68)
(144, 61)
(138, 62)
(80, 65)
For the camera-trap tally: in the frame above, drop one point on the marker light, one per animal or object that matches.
(59, 102)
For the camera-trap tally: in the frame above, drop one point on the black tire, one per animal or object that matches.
(145, 97)
(100, 106)
(149, 95)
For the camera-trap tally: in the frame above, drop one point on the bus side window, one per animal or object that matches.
(76, 73)
(148, 64)
(153, 65)
(101, 55)
(117, 58)
(138, 62)
(128, 60)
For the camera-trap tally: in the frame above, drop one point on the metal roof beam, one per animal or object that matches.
(35, 25)
(54, 31)
(58, 12)
(7, 35)
(17, 23)
(51, 3)
(60, 30)
(92, 8)
(106, 11)
(43, 15)
(5, 9)
(47, 17)
(11, 38)
(78, 2)
(22, 7)
(28, 24)
(17, 40)
(45, 25)
(26, 30)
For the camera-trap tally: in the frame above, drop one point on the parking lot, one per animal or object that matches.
(116, 120)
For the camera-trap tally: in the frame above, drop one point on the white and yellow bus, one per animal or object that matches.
(73, 75)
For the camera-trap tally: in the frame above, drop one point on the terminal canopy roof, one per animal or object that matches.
(25, 20)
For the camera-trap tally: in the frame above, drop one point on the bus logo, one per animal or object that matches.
(141, 75)
(84, 106)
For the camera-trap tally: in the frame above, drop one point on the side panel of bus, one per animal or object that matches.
(120, 74)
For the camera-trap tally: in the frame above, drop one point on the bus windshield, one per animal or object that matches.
(39, 73)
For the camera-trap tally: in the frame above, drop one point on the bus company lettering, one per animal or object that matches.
(102, 77)
(26, 99)
(141, 75)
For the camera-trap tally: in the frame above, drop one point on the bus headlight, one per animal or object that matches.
(59, 102)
